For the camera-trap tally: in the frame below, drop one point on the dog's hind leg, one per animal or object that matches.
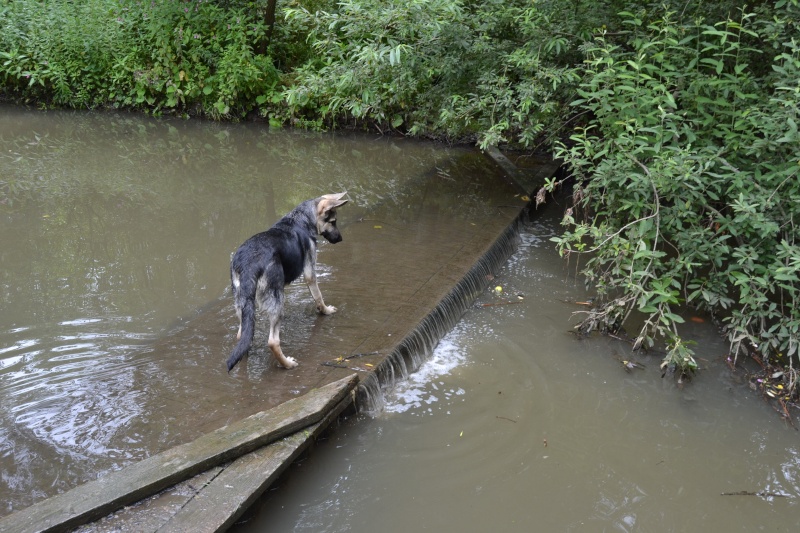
(245, 312)
(274, 343)
(310, 277)
(274, 310)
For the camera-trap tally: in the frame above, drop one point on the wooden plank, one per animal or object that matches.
(137, 481)
(511, 170)
(527, 182)
(153, 512)
(220, 503)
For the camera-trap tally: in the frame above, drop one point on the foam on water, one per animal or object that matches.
(423, 388)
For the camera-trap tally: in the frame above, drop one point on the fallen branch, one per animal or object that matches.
(762, 493)
(505, 302)
(339, 361)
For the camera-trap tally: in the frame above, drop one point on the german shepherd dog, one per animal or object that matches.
(270, 260)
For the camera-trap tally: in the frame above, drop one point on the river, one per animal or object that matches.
(117, 231)
(515, 424)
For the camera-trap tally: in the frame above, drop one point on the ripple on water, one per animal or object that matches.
(69, 385)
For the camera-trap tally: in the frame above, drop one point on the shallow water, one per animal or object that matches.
(116, 237)
(517, 425)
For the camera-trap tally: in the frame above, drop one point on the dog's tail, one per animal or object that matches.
(248, 331)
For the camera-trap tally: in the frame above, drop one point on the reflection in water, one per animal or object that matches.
(116, 233)
(516, 425)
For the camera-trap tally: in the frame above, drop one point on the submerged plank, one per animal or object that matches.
(142, 479)
(223, 500)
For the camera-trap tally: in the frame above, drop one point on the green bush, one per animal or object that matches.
(489, 71)
(60, 51)
(377, 61)
(189, 55)
(198, 53)
(689, 179)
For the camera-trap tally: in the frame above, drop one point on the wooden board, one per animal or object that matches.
(528, 182)
(225, 498)
(140, 480)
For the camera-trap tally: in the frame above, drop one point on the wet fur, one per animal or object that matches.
(265, 263)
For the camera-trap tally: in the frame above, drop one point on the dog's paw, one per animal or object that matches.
(289, 362)
(327, 309)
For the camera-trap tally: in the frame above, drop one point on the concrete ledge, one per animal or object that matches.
(140, 480)
(418, 343)
(217, 507)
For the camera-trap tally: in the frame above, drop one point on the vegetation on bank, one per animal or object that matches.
(677, 121)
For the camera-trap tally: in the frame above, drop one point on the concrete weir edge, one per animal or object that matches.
(416, 347)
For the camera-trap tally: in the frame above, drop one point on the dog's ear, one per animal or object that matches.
(330, 201)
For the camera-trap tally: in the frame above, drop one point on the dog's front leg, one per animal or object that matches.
(310, 276)
(311, 280)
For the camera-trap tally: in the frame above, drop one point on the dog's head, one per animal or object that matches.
(326, 216)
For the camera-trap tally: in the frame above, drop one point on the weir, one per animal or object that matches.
(419, 343)
(396, 300)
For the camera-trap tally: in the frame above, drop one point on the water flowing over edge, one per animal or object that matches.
(419, 344)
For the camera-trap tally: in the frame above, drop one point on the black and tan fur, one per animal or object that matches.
(270, 260)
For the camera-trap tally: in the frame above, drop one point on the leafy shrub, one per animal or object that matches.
(459, 70)
(689, 190)
(156, 54)
(197, 53)
(62, 50)
(373, 60)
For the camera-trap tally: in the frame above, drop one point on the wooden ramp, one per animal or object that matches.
(248, 454)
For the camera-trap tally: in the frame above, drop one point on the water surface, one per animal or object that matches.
(116, 234)
(517, 425)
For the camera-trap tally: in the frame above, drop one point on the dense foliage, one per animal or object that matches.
(689, 178)
(677, 120)
(159, 54)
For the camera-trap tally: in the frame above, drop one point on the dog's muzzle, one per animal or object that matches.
(332, 236)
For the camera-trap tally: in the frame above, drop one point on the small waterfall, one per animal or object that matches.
(419, 344)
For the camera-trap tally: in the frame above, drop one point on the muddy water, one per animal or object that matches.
(516, 425)
(116, 233)
(116, 236)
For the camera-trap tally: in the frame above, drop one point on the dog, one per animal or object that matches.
(265, 263)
